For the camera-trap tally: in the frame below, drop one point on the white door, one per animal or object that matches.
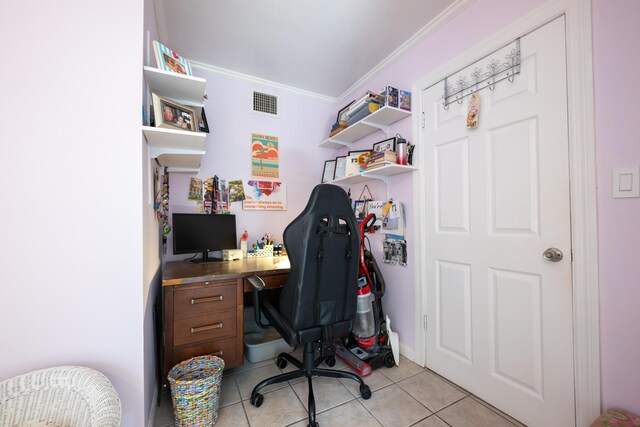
(499, 314)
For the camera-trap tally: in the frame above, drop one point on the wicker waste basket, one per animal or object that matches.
(195, 390)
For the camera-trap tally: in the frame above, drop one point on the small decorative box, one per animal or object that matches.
(267, 250)
(405, 100)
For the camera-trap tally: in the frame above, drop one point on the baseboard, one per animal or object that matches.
(407, 352)
(154, 405)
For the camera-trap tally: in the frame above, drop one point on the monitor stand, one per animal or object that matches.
(206, 258)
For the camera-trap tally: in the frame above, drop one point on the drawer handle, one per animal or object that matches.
(206, 299)
(206, 328)
(218, 353)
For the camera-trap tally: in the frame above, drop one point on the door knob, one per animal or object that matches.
(553, 254)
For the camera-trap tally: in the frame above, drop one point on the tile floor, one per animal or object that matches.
(405, 395)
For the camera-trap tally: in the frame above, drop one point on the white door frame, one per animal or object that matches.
(582, 165)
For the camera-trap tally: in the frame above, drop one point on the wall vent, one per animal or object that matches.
(265, 103)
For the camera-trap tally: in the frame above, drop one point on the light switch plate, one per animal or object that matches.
(626, 182)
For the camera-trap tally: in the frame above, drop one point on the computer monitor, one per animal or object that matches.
(193, 233)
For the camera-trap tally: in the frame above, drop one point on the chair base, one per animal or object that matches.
(307, 368)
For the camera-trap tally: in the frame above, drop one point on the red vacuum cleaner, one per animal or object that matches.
(368, 347)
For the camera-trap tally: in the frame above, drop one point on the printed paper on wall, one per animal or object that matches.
(264, 156)
(264, 195)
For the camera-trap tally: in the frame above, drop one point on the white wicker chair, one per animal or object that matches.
(64, 396)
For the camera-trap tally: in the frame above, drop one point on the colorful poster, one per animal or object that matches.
(264, 156)
(236, 191)
(264, 195)
(195, 189)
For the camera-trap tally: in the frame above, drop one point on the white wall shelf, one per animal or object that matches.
(378, 120)
(186, 90)
(178, 150)
(382, 173)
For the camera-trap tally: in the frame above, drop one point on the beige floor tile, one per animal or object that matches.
(494, 409)
(432, 421)
(229, 393)
(375, 381)
(394, 407)
(164, 412)
(470, 413)
(247, 366)
(247, 380)
(351, 414)
(431, 391)
(328, 392)
(232, 416)
(406, 369)
(280, 408)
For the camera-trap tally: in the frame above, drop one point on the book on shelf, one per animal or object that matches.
(378, 164)
(387, 155)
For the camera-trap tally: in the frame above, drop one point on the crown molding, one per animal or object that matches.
(434, 25)
(257, 80)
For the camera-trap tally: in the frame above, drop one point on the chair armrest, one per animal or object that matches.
(281, 324)
(258, 285)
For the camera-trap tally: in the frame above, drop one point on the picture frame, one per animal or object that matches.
(342, 111)
(360, 209)
(203, 125)
(168, 60)
(328, 171)
(353, 166)
(385, 145)
(341, 167)
(171, 115)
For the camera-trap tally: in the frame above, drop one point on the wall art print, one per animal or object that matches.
(264, 156)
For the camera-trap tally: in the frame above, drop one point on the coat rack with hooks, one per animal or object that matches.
(497, 71)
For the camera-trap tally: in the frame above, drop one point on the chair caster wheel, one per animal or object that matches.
(313, 425)
(330, 361)
(257, 401)
(365, 392)
(281, 363)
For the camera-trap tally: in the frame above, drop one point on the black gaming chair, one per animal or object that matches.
(318, 301)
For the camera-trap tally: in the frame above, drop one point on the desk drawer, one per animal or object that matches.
(225, 348)
(205, 327)
(205, 299)
(270, 282)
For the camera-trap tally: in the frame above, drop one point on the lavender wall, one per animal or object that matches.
(616, 69)
(476, 23)
(71, 186)
(152, 274)
(303, 122)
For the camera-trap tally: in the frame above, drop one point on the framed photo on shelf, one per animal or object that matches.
(388, 144)
(329, 171)
(203, 126)
(341, 167)
(352, 161)
(168, 60)
(171, 115)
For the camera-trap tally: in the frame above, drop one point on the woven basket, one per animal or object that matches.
(195, 390)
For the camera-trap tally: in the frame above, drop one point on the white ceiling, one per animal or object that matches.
(322, 47)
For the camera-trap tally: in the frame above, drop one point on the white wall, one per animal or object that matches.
(71, 188)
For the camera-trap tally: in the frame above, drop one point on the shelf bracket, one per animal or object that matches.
(158, 151)
(341, 143)
(383, 128)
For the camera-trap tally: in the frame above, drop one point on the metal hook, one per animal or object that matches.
(445, 106)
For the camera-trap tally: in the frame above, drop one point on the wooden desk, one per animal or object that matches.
(203, 306)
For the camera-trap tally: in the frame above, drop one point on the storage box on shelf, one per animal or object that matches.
(179, 150)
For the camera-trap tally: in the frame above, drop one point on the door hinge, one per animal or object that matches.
(423, 120)
(425, 322)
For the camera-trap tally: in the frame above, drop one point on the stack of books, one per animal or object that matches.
(381, 158)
